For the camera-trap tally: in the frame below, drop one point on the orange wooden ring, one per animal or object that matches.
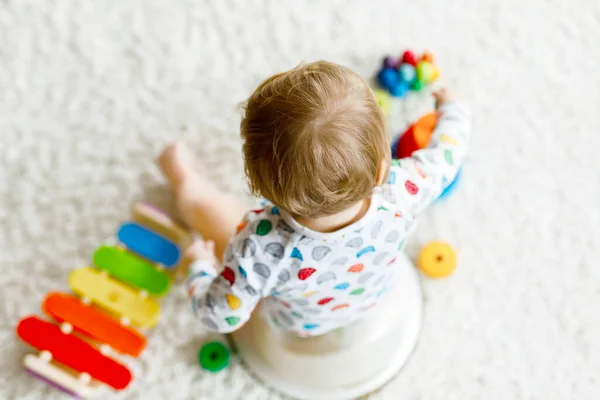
(417, 136)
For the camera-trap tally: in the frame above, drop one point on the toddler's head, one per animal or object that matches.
(315, 140)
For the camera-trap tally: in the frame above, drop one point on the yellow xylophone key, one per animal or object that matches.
(115, 297)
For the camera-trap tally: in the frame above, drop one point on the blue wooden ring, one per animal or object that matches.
(451, 187)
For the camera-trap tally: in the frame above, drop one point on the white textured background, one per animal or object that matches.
(91, 91)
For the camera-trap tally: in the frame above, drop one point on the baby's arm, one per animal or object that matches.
(422, 177)
(225, 301)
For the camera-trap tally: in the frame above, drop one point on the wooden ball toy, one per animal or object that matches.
(427, 56)
(388, 78)
(384, 100)
(407, 73)
(417, 85)
(425, 72)
(436, 73)
(390, 62)
(437, 260)
(401, 75)
(408, 57)
(399, 90)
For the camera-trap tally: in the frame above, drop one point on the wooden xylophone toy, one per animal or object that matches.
(78, 344)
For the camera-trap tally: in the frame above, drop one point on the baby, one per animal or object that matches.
(320, 249)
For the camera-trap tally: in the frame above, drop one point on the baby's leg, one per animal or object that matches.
(211, 212)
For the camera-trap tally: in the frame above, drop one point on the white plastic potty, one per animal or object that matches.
(346, 363)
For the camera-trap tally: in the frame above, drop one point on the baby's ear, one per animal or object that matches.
(382, 172)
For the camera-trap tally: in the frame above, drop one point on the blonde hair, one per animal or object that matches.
(314, 138)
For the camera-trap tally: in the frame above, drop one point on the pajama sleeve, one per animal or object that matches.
(224, 301)
(416, 181)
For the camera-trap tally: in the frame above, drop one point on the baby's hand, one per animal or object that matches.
(441, 96)
(201, 250)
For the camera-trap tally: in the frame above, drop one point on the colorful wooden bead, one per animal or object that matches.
(436, 73)
(399, 89)
(384, 100)
(388, 78)
(407, 73)
(409, 58)
(425, 72)
(427, 56)
(417, 85)
(390, 62)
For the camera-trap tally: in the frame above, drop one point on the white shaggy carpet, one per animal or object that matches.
(90, 91)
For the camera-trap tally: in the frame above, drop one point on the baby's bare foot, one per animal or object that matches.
(175, 162)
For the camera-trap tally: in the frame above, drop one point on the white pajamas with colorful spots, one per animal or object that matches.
(312, 282)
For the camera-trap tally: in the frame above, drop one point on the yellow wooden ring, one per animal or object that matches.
(437, 260)
(384, 100)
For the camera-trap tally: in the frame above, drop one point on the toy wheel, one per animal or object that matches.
(437, 260)
(214, 356)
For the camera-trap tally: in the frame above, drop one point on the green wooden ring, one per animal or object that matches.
(214, 356)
